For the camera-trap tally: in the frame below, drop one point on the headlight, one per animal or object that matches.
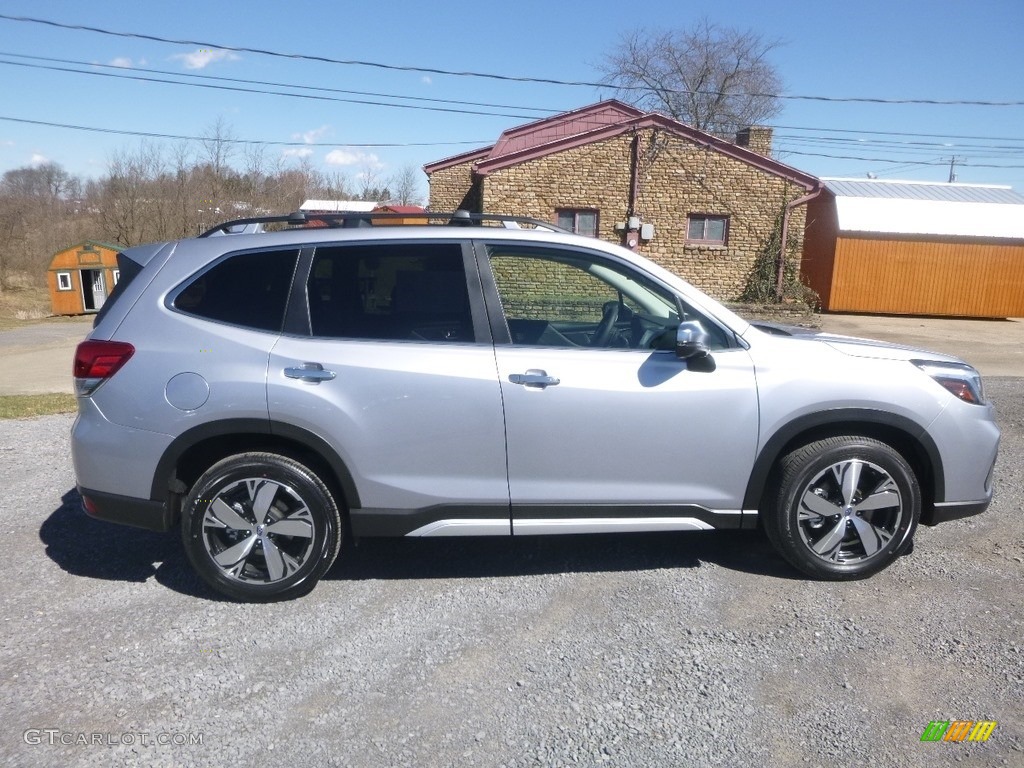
(958, 378)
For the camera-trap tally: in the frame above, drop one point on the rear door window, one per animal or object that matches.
(393, 291)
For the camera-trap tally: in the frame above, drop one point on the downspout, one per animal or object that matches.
(780, 268)
(632, 234)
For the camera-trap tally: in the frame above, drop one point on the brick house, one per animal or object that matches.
(696, 204)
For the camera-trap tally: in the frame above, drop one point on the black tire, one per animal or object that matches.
(843, 508)
(260, 527)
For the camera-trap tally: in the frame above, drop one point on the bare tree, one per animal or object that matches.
(370, 184)
(405, 186)
(218, 146)
(717, 79)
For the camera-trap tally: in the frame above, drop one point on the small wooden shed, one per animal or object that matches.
(82, 276)
(916, 248)
(410, 214)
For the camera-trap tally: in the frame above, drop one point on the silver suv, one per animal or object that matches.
(273, 391)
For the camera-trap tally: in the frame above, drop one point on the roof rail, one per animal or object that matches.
(364, 219)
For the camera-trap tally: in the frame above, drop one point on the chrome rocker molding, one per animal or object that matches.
(565, 525)
(467, 527)
(607, 525)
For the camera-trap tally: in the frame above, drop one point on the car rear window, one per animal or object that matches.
(246, 289)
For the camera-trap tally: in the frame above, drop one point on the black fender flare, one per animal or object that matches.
(872, 422)
(255, 427)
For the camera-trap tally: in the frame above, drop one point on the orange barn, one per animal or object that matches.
(916, 248)
(81, 277)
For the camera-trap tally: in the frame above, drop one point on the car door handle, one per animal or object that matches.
(311, 372)
(534, 378)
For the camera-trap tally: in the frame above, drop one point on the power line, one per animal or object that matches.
(894, 133)
(236, 89)
(279, 85)
(366, 145)
(782, 139)
(151, 135)
(890, 160)
(486, 75)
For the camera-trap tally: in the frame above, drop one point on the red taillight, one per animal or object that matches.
(97, 361)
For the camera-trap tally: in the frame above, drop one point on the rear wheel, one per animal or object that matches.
(260, 527)
(843, 508)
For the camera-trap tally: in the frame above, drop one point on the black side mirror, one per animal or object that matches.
(692, 341)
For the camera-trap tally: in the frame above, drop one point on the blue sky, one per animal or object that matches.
(908, 49)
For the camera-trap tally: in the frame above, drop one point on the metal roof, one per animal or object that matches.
(332, 206)
(927, 208)
(924, 190)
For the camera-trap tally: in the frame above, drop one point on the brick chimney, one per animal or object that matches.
(756, 138)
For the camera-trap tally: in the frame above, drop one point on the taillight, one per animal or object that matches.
(97, 361)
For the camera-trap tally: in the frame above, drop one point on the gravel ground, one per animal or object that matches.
(647, 650)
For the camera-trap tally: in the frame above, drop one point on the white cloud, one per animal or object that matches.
(121, 61)
(7, 143)
(344, 157)
(310, 137)
(38, 159)
(426, 79)
(298, 152)
(203, 57)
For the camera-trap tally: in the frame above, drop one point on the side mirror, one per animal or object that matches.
(692, 341)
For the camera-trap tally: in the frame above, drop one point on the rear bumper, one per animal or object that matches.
(126, 510)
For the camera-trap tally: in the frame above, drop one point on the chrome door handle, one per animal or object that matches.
(534, 378)
(311, 372)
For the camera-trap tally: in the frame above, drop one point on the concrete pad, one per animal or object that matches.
(994, 347)
(36, 359)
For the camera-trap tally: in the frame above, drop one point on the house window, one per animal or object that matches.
(63, 281)
(702, 228)
(116, 274)
(582, 221)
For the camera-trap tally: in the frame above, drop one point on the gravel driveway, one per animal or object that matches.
(642, 650)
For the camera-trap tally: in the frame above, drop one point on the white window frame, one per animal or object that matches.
(707, 217)
(64, 281)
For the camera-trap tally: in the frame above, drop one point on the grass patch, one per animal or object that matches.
(27, 406)
(22, 305)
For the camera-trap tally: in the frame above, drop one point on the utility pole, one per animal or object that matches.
(952, 166)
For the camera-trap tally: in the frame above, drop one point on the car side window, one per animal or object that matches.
(389, 291)
(246, 289)
(576, 299)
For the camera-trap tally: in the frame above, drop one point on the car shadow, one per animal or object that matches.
(83, 546)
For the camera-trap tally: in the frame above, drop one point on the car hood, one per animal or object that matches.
(854, 346)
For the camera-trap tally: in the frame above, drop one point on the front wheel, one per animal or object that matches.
(260, 527)
(843, 508)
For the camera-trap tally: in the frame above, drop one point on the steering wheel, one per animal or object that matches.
(609, 316)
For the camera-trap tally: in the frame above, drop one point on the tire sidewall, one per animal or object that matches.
(796, 481)
(309, 488)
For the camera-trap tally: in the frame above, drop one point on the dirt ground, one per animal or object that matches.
(36, 358)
